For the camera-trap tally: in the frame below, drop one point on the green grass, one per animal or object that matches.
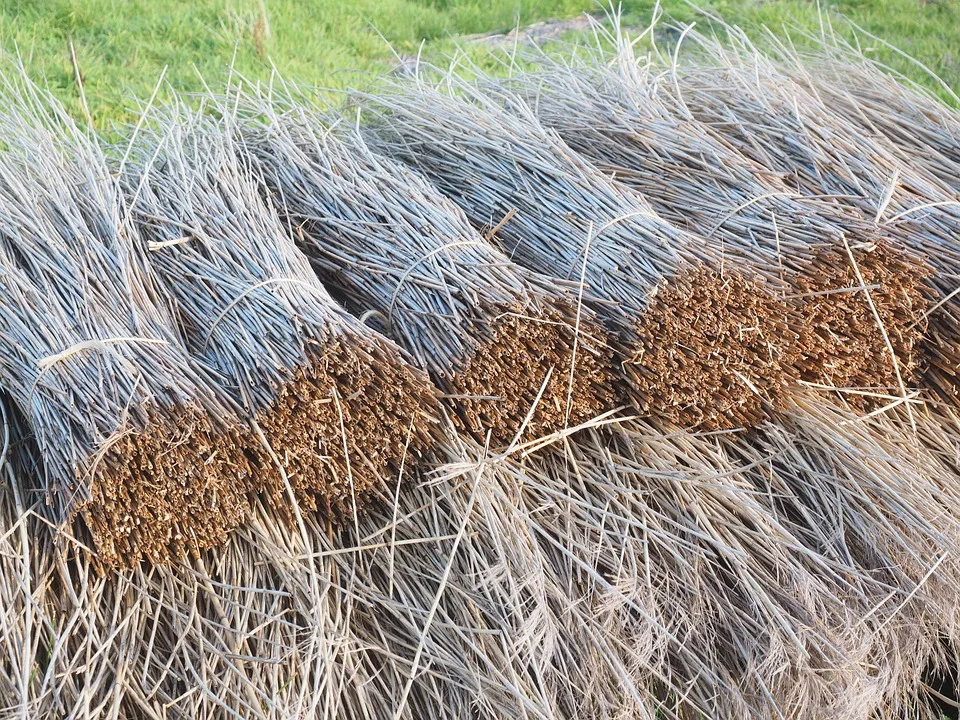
(926, 30)
(122, 46)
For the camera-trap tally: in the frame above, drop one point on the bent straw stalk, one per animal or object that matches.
(497, 339)
(335, 402)
(616, 117)
(701, 345)
(133, 438)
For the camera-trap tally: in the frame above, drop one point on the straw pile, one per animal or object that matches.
(134, 440)
(871, 496)
(618, 117)
(634, 573)
(335, 404)
(701, 345)
(499, 341)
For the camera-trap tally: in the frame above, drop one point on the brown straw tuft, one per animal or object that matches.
(148, 482)
(336, 426)
(577, 390)
(849, 349)
(705, 358)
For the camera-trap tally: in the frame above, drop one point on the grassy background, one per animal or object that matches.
(122, 46)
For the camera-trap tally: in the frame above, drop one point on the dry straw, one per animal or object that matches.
(921, 129)
(702, 345)
(631, 572)
(502, 343)
(872, 494)
(133, 439)
(335, 404)
(617, 112)
(806, 568)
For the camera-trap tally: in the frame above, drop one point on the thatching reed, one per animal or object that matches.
(336, 405)
(701, 345)
(632, 573)
(134, 438)
(499, 341)
(804, 568)
(613, 111)
(920, 128)
(759, 109)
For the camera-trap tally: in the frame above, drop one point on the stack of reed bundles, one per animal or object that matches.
(701, 345)
(744, 98)
(613, 113)
(498, 340)
(336, 406)
(133, 436)
(806, 568)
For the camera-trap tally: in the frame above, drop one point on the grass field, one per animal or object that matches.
(122, 46)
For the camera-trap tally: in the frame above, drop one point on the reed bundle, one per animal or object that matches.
(496, 339)
(617, 117)
(336, 404)
(744, 97)
(701, 345)
(133, 437)
(920, 128)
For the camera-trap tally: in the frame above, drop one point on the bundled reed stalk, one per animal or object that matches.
(335, 403)
(744, 98)
(922, 130)
(497, 339)
(133, 437)
(702, 345)
(614, 114)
